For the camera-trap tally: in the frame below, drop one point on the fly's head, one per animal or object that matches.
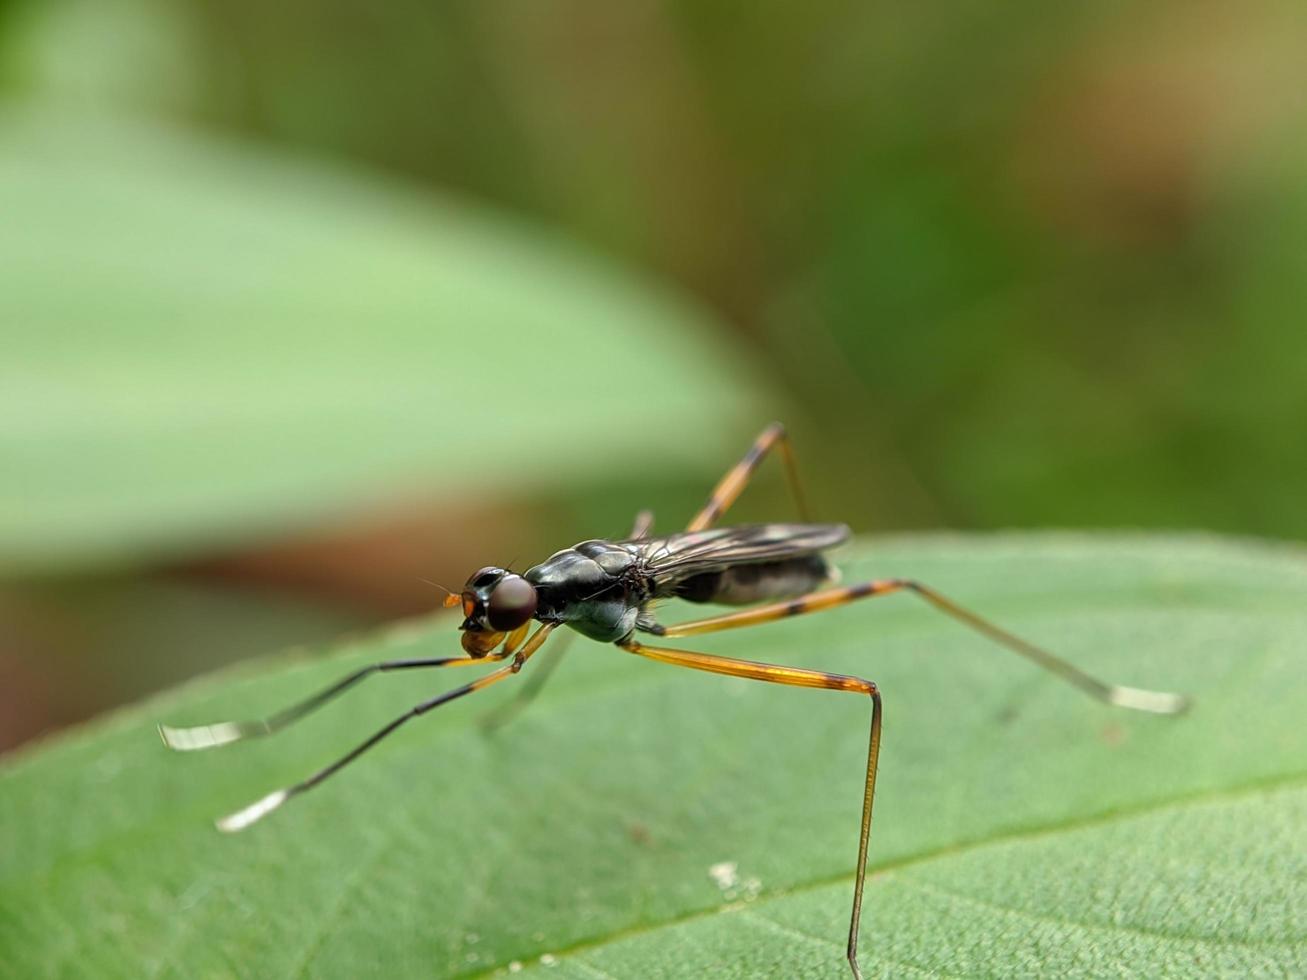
(495, 603)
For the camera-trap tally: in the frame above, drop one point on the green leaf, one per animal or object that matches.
(204, 343)
(1020, 828)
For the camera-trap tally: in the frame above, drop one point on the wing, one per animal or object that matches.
(680, 556)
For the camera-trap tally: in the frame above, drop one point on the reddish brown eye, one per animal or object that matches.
(511, 604)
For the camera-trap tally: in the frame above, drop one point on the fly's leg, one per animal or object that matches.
(734, 482)
(1158, 702)
(226, 732)
(643, 525)
(797, 677)
(262, 807)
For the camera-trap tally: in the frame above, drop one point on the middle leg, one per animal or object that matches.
(798, 677)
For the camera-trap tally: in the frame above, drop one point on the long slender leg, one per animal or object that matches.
(642, 526)
(1159, 702)
(225, 732)
(734, 482)
(262, 807)
(798, 677)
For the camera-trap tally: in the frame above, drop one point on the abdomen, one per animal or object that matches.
(743, 584)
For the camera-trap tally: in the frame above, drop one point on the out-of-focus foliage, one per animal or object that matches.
(1052, 834)
(211, 348)
(1026, 264)
(204, 345)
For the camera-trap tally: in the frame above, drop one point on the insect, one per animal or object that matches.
(606, 591)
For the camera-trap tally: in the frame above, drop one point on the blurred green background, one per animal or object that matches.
(304, 304)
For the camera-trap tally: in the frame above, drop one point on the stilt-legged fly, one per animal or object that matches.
(605, 590)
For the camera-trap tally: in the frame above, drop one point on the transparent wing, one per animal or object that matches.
(680, 556)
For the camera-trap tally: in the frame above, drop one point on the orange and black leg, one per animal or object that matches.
(734, 482)
(797, 677)
(1128, 697)
(225, 732)
(262, 807)
(642, 526)
(1159, 702)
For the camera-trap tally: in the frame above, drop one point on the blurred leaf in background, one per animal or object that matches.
(213, 351)
(207, 345)
(1053, 277)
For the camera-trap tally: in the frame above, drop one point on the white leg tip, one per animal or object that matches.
(254, 812)
(201, 736)
(1158, 702)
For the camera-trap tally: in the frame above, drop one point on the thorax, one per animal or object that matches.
(596, 587)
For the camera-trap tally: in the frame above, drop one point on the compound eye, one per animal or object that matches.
(511, 604)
